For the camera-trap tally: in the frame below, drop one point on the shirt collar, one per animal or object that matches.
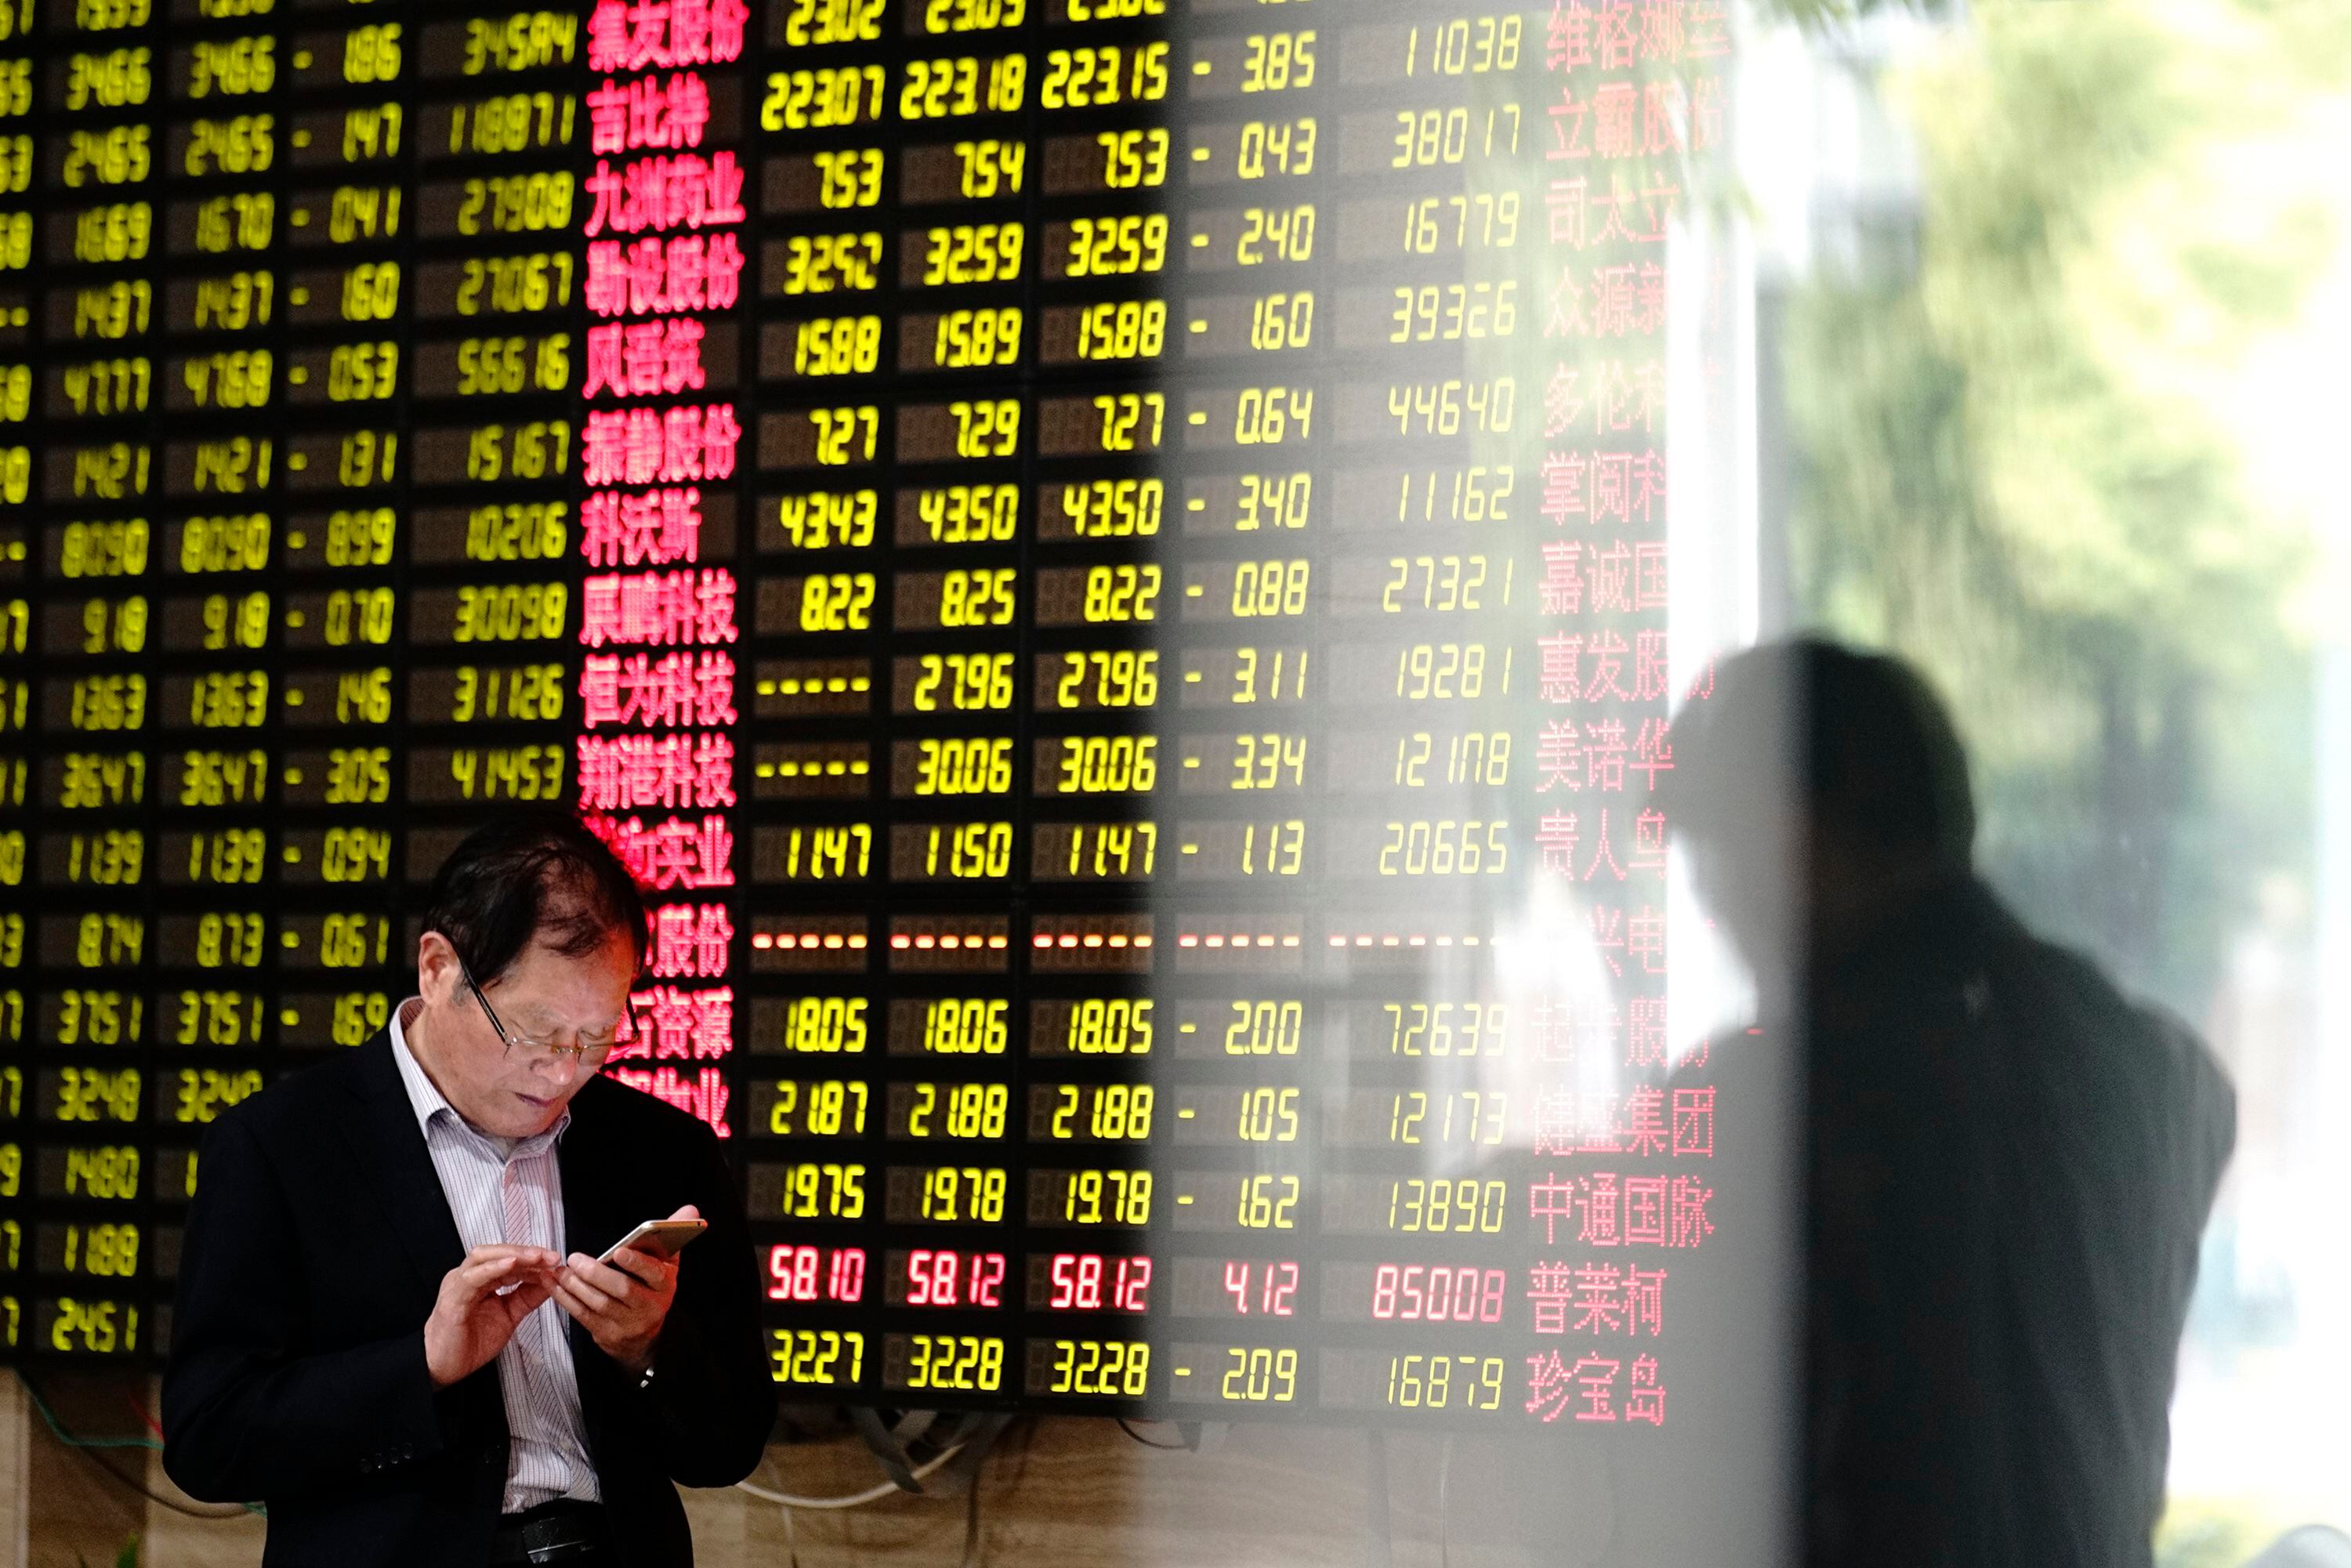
(425, 1097)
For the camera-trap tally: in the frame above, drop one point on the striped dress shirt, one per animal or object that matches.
(511, 1190)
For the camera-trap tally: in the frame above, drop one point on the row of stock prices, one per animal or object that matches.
(1104, 562)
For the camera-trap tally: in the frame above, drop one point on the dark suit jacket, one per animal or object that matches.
(315, 1246)
(2007, 1169)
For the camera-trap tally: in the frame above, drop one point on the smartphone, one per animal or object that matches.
(663, 1238)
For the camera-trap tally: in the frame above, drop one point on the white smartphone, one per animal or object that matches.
(663, 1238)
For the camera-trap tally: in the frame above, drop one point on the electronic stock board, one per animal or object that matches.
(1105, 561)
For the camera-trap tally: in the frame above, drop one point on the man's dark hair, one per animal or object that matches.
(532, 875)
(1858, 741)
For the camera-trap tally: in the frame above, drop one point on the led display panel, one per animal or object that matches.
(1105, 562)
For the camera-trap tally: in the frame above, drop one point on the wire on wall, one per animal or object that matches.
(855, 1500)
(972, 1449)
(89, 1448)
(1127, 1427)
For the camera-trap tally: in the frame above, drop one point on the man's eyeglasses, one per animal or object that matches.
(590, 1051)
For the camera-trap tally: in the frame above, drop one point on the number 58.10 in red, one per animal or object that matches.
(815, 1273)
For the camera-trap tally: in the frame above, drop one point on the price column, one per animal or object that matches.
(818, 526)
(105, 698)
(20, 547)
(960, 609)
(1099, 769)
(226, 623)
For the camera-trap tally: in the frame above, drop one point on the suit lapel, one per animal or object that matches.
(594, 1219)
(399, 1168)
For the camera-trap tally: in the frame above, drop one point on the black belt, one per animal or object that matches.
(563, 1530)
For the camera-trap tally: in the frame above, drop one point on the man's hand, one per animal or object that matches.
(622, 1304)
(481, 1301)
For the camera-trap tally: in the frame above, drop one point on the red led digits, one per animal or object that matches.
(1269, 1289)
(943, 1278)
(1090, 1282)
(1415, 1292)
(811, 1274)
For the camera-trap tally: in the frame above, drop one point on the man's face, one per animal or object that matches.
(542, 997)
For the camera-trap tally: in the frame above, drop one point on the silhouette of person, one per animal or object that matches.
(2006, 1163)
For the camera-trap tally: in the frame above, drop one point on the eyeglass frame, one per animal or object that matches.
(578, 1053)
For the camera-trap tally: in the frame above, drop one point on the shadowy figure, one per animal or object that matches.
(2007, 1163)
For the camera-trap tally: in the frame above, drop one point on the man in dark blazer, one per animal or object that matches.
(2006, 1164)
(392, 1326)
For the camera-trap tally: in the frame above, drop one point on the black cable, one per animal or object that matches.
(1147, 1442)
(239, 1511)
(1028, 1450)
(971, 1515)
(1028, 1427)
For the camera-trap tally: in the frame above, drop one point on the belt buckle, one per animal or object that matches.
(560, 1539)
(574, 1538)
